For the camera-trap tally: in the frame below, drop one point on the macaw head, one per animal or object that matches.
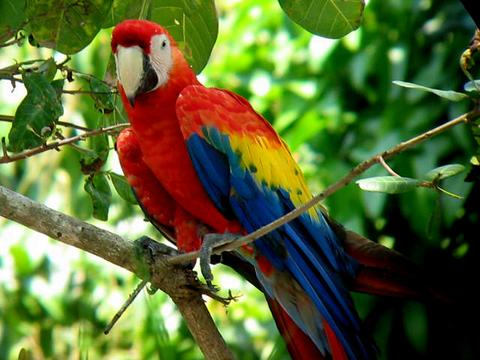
(144, 55)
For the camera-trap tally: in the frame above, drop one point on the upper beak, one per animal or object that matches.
(130, 70)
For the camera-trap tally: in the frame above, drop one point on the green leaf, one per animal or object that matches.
(327, 18)
(66, 25)
(48, 68)
(58, 85)
(444, 171)
(415, 321)
(25, 354)
(122, 10)
(12, 17)
(36, 115)
(93, 159)
(193, 25)
(446, 94)
(461, 250)
(388, 184)
(22, 261)
(100, 194)
(102, 95)
(123, 188)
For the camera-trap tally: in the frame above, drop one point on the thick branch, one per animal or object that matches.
(67, 229)
(179, 283)
(182, 286)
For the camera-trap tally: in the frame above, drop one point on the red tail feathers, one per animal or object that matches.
(298, 344)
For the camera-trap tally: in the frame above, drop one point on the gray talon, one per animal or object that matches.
(211, 241)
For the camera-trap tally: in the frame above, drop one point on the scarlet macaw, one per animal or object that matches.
(201, 161)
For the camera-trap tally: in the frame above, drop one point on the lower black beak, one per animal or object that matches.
(131, 100)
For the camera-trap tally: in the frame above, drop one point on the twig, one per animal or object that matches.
(344, 181)
(54, 145)
(4, 149)
(14, 79)
(386, 166)
(124, 307)
(88, 92)
(18, 39)
(10, 118)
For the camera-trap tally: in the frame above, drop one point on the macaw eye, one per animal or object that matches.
(164, 44)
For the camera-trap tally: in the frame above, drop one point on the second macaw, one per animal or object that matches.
(201, 161)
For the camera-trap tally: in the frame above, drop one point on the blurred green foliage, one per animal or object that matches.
(333, 101)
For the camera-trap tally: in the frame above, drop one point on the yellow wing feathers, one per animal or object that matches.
(272, 163)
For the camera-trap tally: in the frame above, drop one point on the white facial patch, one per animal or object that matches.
(161, 57)
(129, 62)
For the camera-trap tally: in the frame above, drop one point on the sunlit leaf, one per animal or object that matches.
(444, 171)
(328, 18)
(461, 250)
(446, 94)
(123, 188)
(100, 194)
(36, 115)
(66, 25)
(22, 261)
(193, 25)
(388, 184)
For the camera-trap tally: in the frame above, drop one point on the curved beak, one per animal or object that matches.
(130, 70)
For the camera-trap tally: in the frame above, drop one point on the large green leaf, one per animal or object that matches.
(66, 25)
(11, 17)
(328, 18)
(36, 115)
(193, 25)
(124, 9)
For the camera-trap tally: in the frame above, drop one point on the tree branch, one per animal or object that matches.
(56, 144)
(344, 181)
(11, 119)
(179, 283)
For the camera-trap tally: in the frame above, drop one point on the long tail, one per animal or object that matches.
(382, 271)
(386, 272)
(298, 344)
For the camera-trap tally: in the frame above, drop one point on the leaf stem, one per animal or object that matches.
(386, 166)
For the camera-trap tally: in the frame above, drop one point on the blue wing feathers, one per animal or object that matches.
(306, 247)
(209, 165)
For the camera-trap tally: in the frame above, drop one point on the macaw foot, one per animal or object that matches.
(210, 242)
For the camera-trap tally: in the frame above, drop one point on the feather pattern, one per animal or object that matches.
(248, 171)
